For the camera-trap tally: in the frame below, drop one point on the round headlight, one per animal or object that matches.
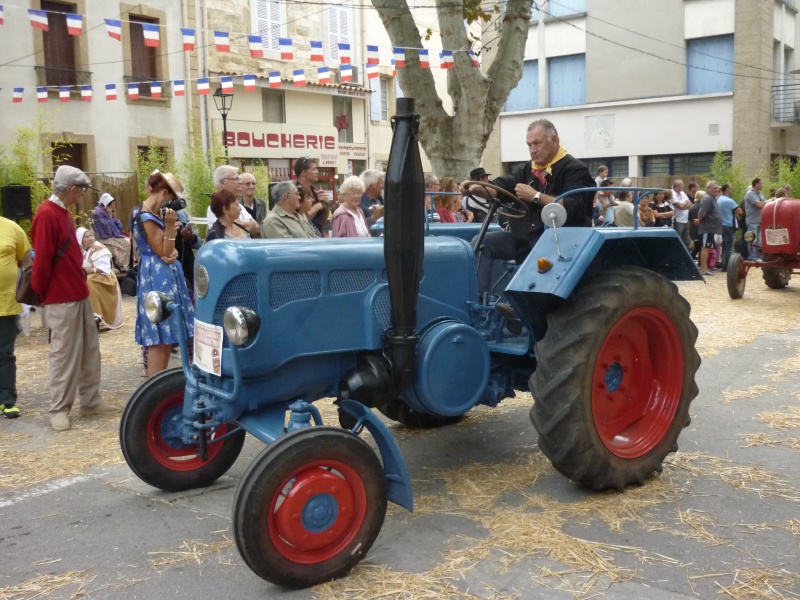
(240, 324)
(201, 281)
(749, 236)
(155, 306)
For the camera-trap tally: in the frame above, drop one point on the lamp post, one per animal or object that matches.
(223, 102)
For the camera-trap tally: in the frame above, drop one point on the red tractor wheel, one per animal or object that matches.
(309, 507)
(615, 376)
(737, 276)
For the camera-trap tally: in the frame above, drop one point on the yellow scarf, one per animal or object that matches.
(548, 168)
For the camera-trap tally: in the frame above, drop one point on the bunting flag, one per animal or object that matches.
(399, 57)
(155, 89)
(18, 94)
(423, 59)
(151, 35)
(446, 59)
(474, 58)
(394, 69)
(111, 91)
(74, 24)
(179, 87)
(222, 41)
(114, 29)
(372, 71)
(299, 77)
(86, 93)
(202, 86)
(133, 90)
(38, 19)
(373, 58)
(344, 54)
(1, 15)
(274, 79)
(346, 73)
(285, 45)
(41, 94)
(188, 39)
(316, 52)
(324, 74)
(226, 82)
(249, 83)
(63, 94)
(256, 46)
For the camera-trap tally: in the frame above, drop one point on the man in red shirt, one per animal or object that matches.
(59, 279)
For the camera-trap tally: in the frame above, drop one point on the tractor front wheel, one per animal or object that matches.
(737, 276)
(615, 376)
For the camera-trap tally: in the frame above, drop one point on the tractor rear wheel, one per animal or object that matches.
(777, 278)
(615, 376)
(737, 276)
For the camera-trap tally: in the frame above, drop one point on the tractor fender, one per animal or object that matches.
(588, 252)
(398, 483)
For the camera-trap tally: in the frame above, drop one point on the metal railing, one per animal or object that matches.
(144, 86)
(53, 76)
(786, 102)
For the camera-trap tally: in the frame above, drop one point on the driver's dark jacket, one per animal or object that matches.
(567, 174)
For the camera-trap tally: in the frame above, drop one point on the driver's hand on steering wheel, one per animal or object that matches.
(524, 192)
(464, 188)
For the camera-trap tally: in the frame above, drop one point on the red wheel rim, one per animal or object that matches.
(637, 382)
(317, 511)
(168, 416)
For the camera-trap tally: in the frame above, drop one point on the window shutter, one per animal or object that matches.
(339, 31)
(384, 99)
(526, 95)
(375, 99)
(268, 16)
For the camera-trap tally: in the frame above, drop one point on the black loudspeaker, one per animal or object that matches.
(17, 202)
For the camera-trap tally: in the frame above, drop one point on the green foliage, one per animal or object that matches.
(783, 171)
(154, 157)
(197, 175)
(724, 171)
(261, 173)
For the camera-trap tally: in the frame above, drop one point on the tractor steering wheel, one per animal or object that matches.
(510, 206)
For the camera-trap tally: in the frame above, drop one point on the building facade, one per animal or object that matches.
(657, 88)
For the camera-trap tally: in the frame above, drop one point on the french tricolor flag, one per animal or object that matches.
(274, 79)
(151, 36)
(399, 56)
(423, 58)
(179, 87)
(18, 94)
(86, 93)
(74, 24)
(38, 19)
(114, 28)
(394, 69)
(222, 41)
(249, 83)
(63, 94)
(316, 52)
(133, 91)
(446, 59)
(41, 94)
(285, 45)
(188, 39)
(299, 77)
(226, 82)
(202, 86)
(346, 73)
(344, 54)
(155, 89)
(474, 58)
(372, 71)
(1, 15)
(111, 91)
(324, 74)
(373, 58)
(256, 46)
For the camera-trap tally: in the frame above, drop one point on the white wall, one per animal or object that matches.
(704, 18)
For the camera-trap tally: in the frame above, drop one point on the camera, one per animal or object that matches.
(176, 204)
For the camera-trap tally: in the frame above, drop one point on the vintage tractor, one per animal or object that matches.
(590, 323)
(778, 255)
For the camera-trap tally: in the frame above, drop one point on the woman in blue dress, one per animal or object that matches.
(155, 230)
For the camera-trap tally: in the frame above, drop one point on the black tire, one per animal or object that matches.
(736, 276)
(776, 278)
(597, 370)
(268, 535)
(170, 466)
(399, 411)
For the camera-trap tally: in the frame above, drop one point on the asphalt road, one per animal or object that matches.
(493, 518)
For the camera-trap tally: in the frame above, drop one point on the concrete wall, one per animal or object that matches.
(705, 18)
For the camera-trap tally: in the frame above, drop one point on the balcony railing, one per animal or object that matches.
(144, 86)
(53, 76)
(786, 102)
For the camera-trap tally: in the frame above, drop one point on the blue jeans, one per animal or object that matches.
(8, 362)
(728, 237)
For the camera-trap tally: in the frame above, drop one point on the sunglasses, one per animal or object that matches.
(307, 160)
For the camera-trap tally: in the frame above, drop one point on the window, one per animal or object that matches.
(59, 46)
(567, 77)
(72, 155)
(143, 58)
(617, 166)
(565, 8)
(339, 31)
(526, 95)
(678, 164)
(343, 118)
(709, 65)
(268, 18)
(272, 106)
(379, 99)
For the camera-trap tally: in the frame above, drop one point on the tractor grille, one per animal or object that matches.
(288, 287)
(351, 280)
(382, 308)
(240, 291)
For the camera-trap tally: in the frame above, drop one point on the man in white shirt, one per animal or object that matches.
(227, 177)
(681, 204)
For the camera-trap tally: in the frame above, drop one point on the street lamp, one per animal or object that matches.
(223, 102)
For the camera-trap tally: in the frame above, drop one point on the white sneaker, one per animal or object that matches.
(60, 421)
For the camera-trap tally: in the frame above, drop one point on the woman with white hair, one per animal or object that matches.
(104, 293)
(349, 220)
(108, 230)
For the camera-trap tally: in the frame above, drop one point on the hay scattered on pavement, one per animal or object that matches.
(760, 583)
(698, 521)
(782, 420)
(785, 367)
(754, 391)
(767, 439)
(44, 585)
(189, 551)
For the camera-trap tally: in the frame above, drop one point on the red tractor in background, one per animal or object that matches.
(779, 250)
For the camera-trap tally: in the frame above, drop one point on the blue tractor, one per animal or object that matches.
(590, 323)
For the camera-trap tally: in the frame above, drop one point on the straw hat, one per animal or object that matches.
(173, 182)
